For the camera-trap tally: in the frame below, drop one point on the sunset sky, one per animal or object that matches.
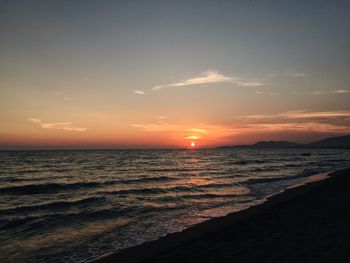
(139, 74)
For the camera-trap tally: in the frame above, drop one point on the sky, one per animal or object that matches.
(159, 74)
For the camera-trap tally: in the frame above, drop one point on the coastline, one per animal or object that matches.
(201, 236)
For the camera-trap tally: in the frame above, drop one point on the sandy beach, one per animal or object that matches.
(308, 223)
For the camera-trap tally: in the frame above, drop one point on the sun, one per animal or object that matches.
(193, 144)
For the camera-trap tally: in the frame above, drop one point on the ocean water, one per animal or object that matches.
(70, 206)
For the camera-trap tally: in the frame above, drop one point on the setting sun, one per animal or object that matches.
(193, 144)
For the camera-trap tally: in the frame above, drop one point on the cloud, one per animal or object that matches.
(67, 126)
(298, 121)
(159, 127)
(317, 92)
(74, 129)
(34, 120)
(297, 127)
(315, 114)
(203, 131)
(60, 94)
(326, 92)
(162, 117)
(341, 91)
(209, 77)
(156, 127)
(139, 92)
(300, 75)
(300, 114)
(192, 137)
(218, 132)
(206, 131)
(296, 74)
(57, 125)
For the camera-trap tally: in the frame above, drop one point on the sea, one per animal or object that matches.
(74, 205)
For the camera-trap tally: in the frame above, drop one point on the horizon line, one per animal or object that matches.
(56, 148)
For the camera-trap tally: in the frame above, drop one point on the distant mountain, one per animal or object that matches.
(341, 142)
(333, 142)
(276, 144)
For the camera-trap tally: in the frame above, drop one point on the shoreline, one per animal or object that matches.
(152, 249)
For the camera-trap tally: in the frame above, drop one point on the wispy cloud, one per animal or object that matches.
(326, 92)
(34, 120)
(61, 95)
(158, 127)
(287, 73)
(268, 93)
(192, 137)
(67, 126)
(301, 121)
(209, 77)
(341, 91)
(259, 124)
(197, 130)
(139, 92)
(298, 121)
(315, 114)
(182, 131)
(296, 127)
(295, 74)
(300, 114)
(300, 75)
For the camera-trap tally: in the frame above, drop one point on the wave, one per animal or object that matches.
(174, 170)
(53, 205)
(272, 179)
(47, 188)
(162, 190)
(292, 165)
(56, 220)
(337, 160)
(44, 188)
(156, 190)
(148, 179)
(245, 162)
(266, 169)
(18, 179)
(66, 218)
(199, 196)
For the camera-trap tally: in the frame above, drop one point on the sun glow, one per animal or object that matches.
(193, 144)
(192, 137)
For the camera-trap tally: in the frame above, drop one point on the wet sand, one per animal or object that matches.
(307, 223)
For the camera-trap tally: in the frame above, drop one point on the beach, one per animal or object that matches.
(306, 223)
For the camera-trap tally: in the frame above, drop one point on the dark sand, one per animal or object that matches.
(309, 223)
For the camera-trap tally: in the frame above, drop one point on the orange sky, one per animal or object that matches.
(168, 74)
(302, 126)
